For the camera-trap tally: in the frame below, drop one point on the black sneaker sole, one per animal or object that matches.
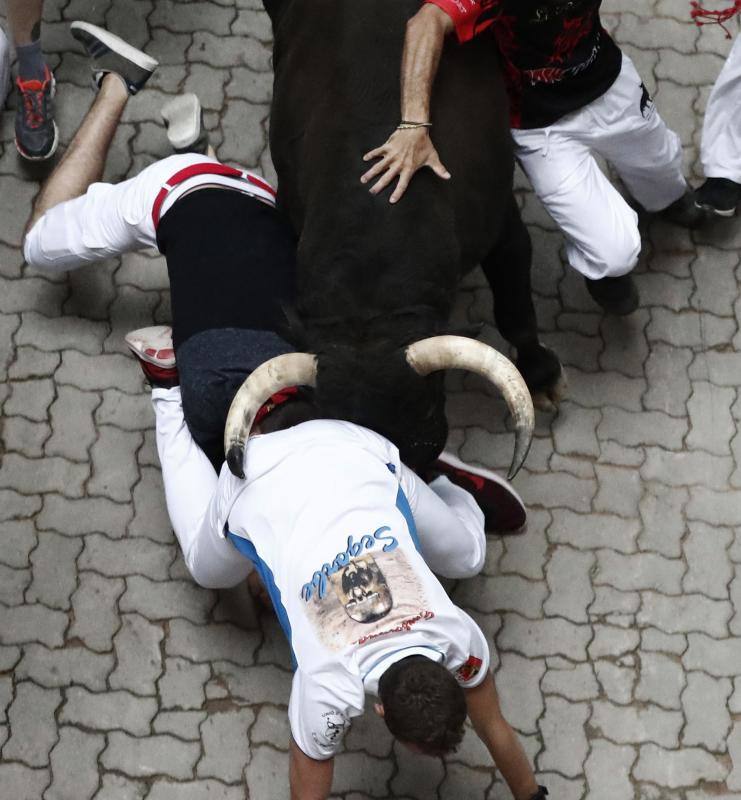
(45, 156)
(717, 212)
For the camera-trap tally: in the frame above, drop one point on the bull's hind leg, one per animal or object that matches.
(507, 268)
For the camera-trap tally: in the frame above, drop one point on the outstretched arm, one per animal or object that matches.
(500, 740)
(310, 779)
(406, 151)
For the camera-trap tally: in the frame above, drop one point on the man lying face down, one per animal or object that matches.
(345, 537)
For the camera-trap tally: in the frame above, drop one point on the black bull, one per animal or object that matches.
(373, 277)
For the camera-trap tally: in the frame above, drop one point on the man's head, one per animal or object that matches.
(422, 705)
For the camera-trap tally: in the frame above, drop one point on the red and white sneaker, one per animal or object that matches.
(154, 351)
(503, 508)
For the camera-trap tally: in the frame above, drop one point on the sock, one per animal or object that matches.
(31, 63)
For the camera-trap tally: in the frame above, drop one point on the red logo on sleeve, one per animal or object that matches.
(468, 671)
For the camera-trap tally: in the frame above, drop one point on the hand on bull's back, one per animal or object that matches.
(404, 153)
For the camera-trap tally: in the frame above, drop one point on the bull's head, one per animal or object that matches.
(424, 358)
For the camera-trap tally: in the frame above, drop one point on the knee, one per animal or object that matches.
(615, 254)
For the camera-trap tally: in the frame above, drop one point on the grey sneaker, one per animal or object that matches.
(110, 53)
(183, 118)
(36, 134)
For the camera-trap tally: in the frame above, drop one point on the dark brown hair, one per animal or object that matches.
(423, 705)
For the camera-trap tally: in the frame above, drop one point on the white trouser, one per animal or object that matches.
(111, 219)
(721, 131)
(601, 229)
(190, 485)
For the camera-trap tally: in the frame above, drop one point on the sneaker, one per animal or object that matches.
(153, 349)
(504, 511)
(36, 133)
(110, 53)
(4, 68)
(183, 118)
(718, 196)
(684, 212)
(617, 296)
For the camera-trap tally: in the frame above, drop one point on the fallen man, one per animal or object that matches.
(345, 537)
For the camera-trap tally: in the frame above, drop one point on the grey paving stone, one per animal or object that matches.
(709, 572)
(557, 489)
(608, 768)
(685, 614)
(32, 475)
(705, 702)
(64, 667)
(590, 531)
(194, 790)
(226, 745)
(640, 429)
(95, 614)
(72, 423)
(138, 654)
(653, 640)
(212, 643)
(416, 777)
(114, 468)
(686, 767)
(631, 725)
(182, 724)
(87, 515)
(74, 765)
(554, 636)
(22, 436)
(13, 585)
(120, 557)
(17, 506)
(636, 572)
(461, 780)
(662, 680)
(573, 681)
(54, 570)
(563, 730)
(98, 372)
(267, 773)
(53, 334)
(107, 711)
(22, 782)
(166, 600)
(150, 512)
(117, 787)
(181, 684)
(617, 682)
(32, 729)
(30, 398)
(609, 601)
(734, 748)
(568, 577)
(715, 508)
(150, 755)
(32, 623)
(661, 509)
(526, 555)
(272, 727)
(710, 417)
(257, 684)
(518, 682)
(669, 385)
(719, 658)
(510, 593)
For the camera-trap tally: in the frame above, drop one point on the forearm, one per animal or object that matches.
(500, 740)
(310, 779)
(423, 47)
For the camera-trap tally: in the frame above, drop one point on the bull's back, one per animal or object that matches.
(337, 95)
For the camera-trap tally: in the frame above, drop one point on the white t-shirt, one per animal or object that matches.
(327, 513)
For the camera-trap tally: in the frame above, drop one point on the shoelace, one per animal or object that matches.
(703, 16)
(33, 94)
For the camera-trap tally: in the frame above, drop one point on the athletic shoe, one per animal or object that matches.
(684, 212)
(153, 349)
(183, 118)
(36, 133)
(110, 53)
(4, 68)
(718, 196)
(504, 511)
(617, 296)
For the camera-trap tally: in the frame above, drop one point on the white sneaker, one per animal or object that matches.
(154, 351)
(183, 119)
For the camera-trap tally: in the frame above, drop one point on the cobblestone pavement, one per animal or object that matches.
(616, 621)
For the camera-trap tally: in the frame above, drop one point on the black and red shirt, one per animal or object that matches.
(557, 57)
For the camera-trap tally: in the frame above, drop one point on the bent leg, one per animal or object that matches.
(190, 487)
(601, 229)
(721, 132)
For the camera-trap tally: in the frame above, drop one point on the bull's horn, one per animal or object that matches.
(459, 352)
(290, 369)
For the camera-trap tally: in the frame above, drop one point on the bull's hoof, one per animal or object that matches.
(543, 375)
(549, 400)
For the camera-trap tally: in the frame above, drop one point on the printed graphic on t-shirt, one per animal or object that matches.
(334, 727)
(369, 595)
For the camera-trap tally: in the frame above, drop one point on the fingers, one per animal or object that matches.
(401, 186)
(438, 168)
(377, 153)
(386, 179)
(376, 169)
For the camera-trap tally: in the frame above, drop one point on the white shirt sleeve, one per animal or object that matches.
(320, 710)
(450, 525)
(473, 668)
